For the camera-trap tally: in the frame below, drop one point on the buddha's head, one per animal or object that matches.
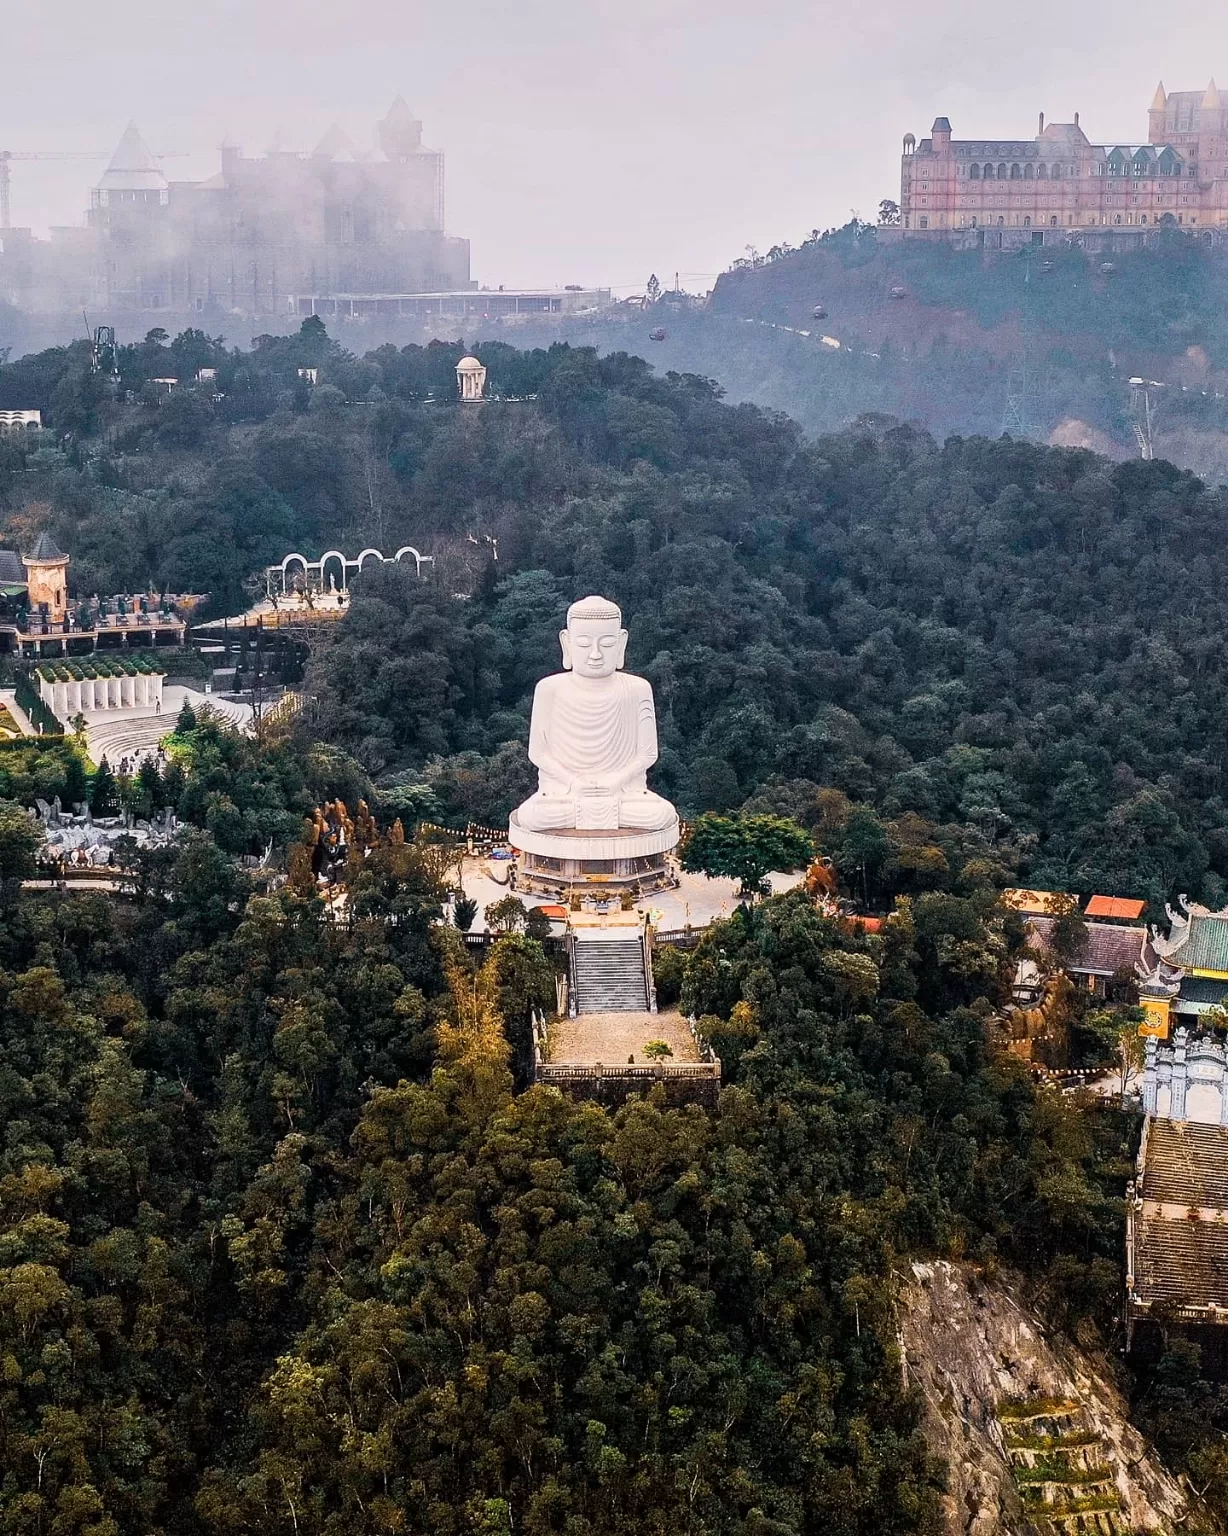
(594, 642)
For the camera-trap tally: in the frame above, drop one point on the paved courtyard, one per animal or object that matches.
(697, 900)
(614, 1038)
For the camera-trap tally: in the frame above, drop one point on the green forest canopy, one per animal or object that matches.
(1017, 640)
(281, 1248)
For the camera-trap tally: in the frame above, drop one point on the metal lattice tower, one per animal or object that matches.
(1017, 413)
(1016, 416)
(1143, 415)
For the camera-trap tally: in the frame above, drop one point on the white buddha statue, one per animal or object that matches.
(593, 735)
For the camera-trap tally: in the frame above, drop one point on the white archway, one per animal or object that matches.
(343, 573)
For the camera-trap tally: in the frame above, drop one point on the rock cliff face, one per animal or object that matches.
(1036, 1438)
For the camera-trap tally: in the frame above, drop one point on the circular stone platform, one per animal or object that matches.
(578, 861)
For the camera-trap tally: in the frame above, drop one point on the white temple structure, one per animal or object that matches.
(470, 380)
(594, 825)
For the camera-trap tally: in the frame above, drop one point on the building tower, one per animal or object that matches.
(47, 578)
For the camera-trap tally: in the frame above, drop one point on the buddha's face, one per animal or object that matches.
(593, 647)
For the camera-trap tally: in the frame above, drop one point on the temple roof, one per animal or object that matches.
(12, 573)
(1206, 946)
(1107, 948)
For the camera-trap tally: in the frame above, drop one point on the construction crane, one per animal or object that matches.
(7, 156)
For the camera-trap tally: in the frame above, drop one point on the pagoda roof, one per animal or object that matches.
(1205, 945)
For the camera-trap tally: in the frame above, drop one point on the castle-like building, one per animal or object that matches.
(252, 237)
(1015, 190)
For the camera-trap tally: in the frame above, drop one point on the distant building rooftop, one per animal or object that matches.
(481, 303)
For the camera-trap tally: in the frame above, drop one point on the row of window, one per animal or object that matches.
(924, 223)
(1042, 172)
(1017, 172)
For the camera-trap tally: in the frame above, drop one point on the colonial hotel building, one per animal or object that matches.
(1013, 191)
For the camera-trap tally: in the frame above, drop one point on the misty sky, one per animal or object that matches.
(591, 141)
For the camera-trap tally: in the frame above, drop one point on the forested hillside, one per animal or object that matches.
(1016, 643)
(940, 337)
(263, 1270)
(282, 1247)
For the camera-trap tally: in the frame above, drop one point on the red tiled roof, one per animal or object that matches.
(1115, 906)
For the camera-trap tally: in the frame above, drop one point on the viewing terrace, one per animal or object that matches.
(112, 623)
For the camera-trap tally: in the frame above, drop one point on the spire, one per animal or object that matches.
(400, 133)
(1160, 100)
(133, 154)
(46, 548)
(133, 166)
(335, 143)
(1212, 98)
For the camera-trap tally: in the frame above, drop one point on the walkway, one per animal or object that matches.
(8, 697)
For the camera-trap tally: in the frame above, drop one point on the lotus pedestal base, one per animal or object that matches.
(580, 862)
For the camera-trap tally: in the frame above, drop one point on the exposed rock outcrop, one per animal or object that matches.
(1035, 1435)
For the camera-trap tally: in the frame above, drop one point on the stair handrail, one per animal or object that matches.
(573, 987)
(650, 985)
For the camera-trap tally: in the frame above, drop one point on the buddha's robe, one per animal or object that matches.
(592, 742)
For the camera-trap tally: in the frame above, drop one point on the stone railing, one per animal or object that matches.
(687, 1082)
(704, 1047)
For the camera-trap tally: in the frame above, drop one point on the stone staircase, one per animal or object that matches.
(609, 975)
(1065, 1473)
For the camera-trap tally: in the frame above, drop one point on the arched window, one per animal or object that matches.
(1042, 171)
(1001, 221)
(1053, 220)
(1016, 172)
(1028, 172)
(989, 173)
(1117, 220)
(974, 172)
(1002, 171)
(1027, 221)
